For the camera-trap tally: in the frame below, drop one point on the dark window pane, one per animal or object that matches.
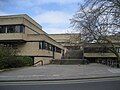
(43, 45)
(10, 29)
(47, 46)
(22, 28)
(40, 45)
(58, 50)
(2, 29)
(52, 48)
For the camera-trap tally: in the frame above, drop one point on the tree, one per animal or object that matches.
(98, 21)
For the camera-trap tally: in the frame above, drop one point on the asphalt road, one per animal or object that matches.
(63, 85)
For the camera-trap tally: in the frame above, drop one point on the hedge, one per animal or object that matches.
(15, 62)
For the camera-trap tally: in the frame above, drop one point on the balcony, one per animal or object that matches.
(12, 37)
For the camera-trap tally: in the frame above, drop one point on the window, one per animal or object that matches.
(40, 45)
(2, 29)
(52, 47)
(47, 46)
(22, 28)
(12, 29)
(17, 28)
(58, 50)
(118, 49)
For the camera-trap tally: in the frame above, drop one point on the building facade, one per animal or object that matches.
(27, 37)
(105, 52)
(69, 41)
(91, 51)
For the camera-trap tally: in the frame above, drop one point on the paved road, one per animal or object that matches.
(64, 85)
(59, 72)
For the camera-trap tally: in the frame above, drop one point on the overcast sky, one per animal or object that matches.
(53, 15)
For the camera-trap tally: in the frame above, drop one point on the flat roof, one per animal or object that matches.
(66, 34)
(24, 16)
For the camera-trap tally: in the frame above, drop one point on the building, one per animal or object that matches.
(69, 41)
(27, 37)
(90, 51)
(103, 52)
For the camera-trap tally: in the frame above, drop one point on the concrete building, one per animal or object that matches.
(69, 41)
(24, 34)
(90, 51)
(94, 52)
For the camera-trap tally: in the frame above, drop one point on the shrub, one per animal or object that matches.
(8, 58)
(15, 62)
(25, 61)
(7, 54)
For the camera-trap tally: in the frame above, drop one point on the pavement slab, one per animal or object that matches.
(52, 72)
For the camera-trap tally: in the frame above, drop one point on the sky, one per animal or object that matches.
(53, 15)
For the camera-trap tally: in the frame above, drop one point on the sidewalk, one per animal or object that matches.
(60, 72)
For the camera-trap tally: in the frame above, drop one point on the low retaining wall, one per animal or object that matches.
(69, 61)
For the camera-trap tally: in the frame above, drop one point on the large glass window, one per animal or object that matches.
(12, 29)
(47, 46)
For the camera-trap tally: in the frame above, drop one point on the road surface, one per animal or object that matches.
(100, 84)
